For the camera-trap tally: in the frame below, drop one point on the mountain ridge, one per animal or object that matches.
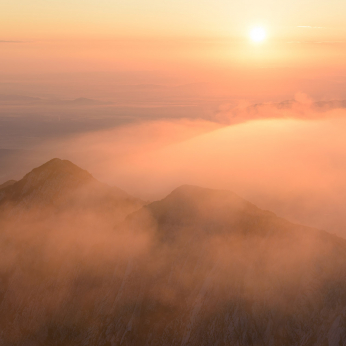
(61, 185)
(200, 267)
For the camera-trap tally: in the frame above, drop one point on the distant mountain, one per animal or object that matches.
(59, 185)
(200, 267)
(82, 101)
(205, 210)
(27, 100)
(18, 99)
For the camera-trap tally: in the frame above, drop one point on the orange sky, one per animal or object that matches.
(274, 68)
(39, 19)
(193, 56)
(208, 36)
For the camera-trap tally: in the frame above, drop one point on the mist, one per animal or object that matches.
(83, 260)
(76, 274)
(172, 173)
(285, 157)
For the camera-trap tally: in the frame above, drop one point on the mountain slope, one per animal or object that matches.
(245, 276)
(200, 267)
(59, 185)
(7, 183)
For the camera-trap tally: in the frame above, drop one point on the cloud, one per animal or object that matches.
(301, 107)
(288, 158)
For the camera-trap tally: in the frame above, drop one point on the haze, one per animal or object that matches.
(172, 172)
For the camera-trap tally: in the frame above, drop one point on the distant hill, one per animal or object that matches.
(200, 267)
(27, 100)
(59, 185)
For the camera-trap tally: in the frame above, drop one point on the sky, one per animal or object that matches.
(114, 85)
(202, 37)
(40, 19)
(149, 95)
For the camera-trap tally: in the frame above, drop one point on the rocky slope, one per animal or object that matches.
(200, 267)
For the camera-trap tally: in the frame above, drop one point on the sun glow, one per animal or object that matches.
(258, 34)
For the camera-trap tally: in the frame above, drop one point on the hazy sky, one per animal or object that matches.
(198, 41)
(42, 19)
(189, 64)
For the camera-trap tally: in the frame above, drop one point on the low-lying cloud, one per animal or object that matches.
(289, 159)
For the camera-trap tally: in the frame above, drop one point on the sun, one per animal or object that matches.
(258, 34)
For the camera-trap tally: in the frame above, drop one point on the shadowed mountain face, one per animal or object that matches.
(208, 212)
(7, 183)
(243, 276)
(59, 186)
(200, 267)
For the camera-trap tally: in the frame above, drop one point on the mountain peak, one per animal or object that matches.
(204, 208)
(62, 184)
(190, 191)
(57, 171)
(57, 164)
(47, 182)
(54, 160)
(204, 197)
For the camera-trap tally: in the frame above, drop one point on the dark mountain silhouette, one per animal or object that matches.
(60, 185)
(200, 267)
